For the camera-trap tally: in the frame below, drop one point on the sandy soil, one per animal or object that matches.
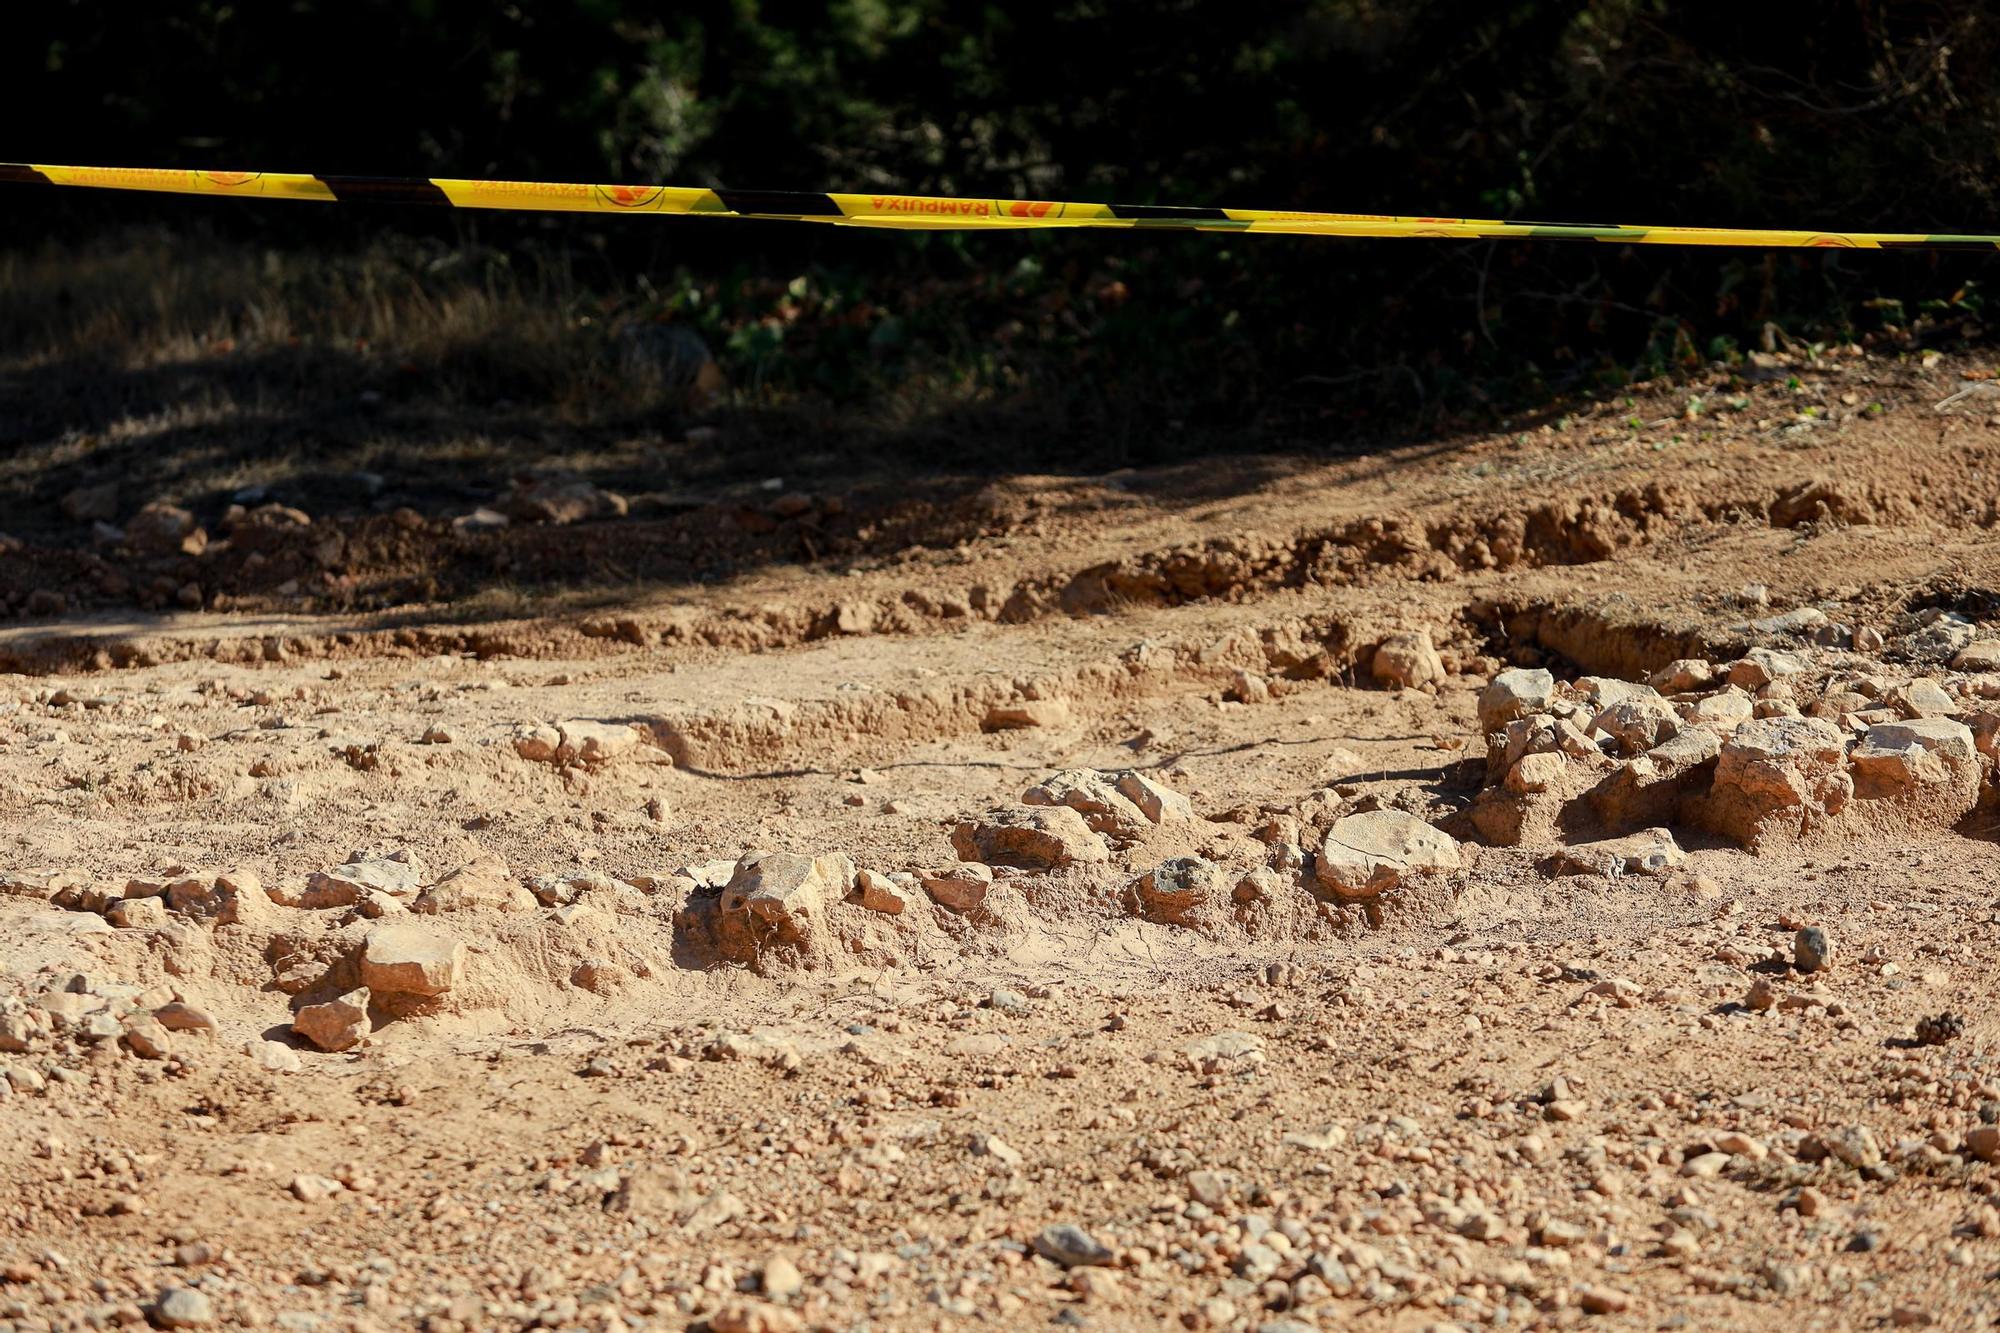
(1305, 991)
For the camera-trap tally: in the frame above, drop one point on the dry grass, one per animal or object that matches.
(470, 323)
(192, 368)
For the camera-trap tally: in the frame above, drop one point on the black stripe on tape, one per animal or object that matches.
(14, 173)
(385, 190)
(782, 203)
(1141, 212)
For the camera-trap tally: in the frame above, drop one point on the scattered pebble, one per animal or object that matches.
(183, 1307)
(313, 1189)
(1811, 950)
(1071, 1246)
(781, 1279)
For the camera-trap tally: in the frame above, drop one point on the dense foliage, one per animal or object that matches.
(1842, 113)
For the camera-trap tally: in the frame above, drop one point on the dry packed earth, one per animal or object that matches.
(1542, 879)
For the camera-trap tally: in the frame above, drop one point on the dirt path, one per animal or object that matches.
(789, 912)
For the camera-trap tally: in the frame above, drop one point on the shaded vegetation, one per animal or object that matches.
(1877, 114)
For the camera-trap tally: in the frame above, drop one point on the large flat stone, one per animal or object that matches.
(403, 958)
(1652, 851)
(1365, 855)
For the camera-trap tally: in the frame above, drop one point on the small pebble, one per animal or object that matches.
(1071, 1246)
(183, 1307)
(782, 1280)
(1811, 950)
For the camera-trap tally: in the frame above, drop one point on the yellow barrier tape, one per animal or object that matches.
(922, 212)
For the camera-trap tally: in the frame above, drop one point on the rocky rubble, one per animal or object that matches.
(1120, 805)
(1774, 747)
(1779, 744)
(1604, 776)
(54, 1021)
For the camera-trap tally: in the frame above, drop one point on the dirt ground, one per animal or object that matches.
(1119, 901)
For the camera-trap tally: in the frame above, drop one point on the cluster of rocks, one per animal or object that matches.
(1774, 746)
(57, 1024)
(1362, 854)
(398, 960)
(783, 905)
(560, 500)
(157, 527)
(1360, 857)
(379, 937)
(235, 897)
(1077, 831)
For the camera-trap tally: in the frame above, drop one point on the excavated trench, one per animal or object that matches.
(1789, 740)
(1454, 545)
(1035, 683)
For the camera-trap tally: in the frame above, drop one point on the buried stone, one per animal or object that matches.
(961, 888)
(1367, 854)
(1029, 838)
(481, 884)
(1023, 714)
(879, 892)
(1408, 661)
(1535, 773)
(1650, 852)
(1174, 892)
(1780, 776)
(399, 875)
(1110, 803)
(137, 913)
(779, 900)
(591, 743)
(1899, 757)
(582, 741)
(405, 959)
(1091, 794)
